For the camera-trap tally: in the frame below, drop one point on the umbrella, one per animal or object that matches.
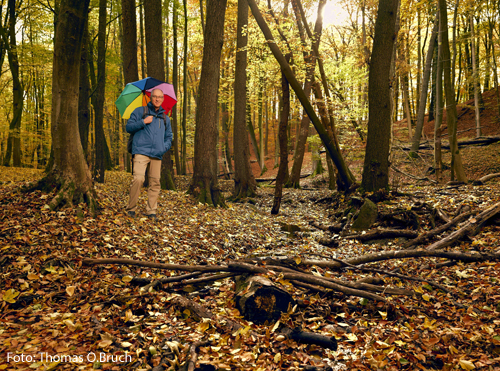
(138, 93)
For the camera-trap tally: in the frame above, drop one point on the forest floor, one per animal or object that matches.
(57, 313)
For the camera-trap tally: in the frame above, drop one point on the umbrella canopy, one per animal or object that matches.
(138, 93)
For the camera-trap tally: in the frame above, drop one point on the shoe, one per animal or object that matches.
(131, 214)
(152, 217)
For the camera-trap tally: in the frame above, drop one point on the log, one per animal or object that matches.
(471, 228)
(306, 337)
(260, 300)
(486, 178)
(376, 234)
(434, 232)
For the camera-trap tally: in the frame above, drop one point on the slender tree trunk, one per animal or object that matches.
(202, 18)
(204, 185)
(14, 139)
(262, 158)
(251, 131)
(438, 163)
(181, 165)
(451, 109)
(283, 145)
(425, 87)
(141, 32)
(475, 77)
(175, 74)
(129, 58)
(100, 163)
(376, 165)
(244, 182)
(167, 38)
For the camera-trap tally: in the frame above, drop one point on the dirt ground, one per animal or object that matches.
(478, 160)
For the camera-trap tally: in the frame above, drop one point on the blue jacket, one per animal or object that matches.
(153, 139)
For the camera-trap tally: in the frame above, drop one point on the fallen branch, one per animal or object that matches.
(486, 178)
(321, 281)
(376, 234)
(306, 337)
(193, 351)
(472, 228)
(140, 263)
(404, 254)
(434, 232)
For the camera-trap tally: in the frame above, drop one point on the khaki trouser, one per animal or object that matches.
(140, 164)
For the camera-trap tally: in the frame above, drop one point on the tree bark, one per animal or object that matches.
(69, 172)
(156, 69)
(14, 139)
(475, 77)
(283, 143)
(204, 184)
(424, 90)
(451, 108)
(376, 165)
(244, 181)
(129, 57)
(100, 140)
(83, 96)
(260, 300)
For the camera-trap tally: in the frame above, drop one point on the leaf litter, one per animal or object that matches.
(57, 313)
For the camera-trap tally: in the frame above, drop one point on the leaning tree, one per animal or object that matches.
(68, 172)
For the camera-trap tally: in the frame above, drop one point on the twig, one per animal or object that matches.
(193, 351)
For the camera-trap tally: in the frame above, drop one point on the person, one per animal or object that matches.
(152, 138)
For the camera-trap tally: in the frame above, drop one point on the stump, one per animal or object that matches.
(260, 300)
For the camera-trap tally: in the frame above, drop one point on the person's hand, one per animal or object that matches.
(148, 120)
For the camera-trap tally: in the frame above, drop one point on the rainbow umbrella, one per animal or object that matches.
(138, 93)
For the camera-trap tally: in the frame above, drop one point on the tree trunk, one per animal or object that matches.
(283, 145)
(181, 167)
(425, 88)
(376, 165)
(244, 182)
(141, 31)
(156, 69)
(204, 185)
(69, 172)
(328, 142)
(100, 139)
(259, 299)
(475, 77)
(14, 139)
(129, 58)
(130, 67)
(438, 163)
(451, 108)
(83, 96)
(175, 73)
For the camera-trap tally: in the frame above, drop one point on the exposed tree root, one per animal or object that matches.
(206, 192)
(68, 192)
